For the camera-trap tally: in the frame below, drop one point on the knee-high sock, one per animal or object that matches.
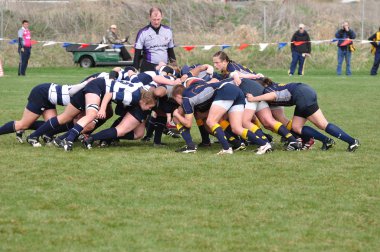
(60, 129)
(160, 125)
(219, 133)
(129, 136)
(185, 133)
(107, 134)
(74, 133)
(258, 131)
(49, 125)
(309, 132)
(226, 127)
(253, 138)
(282, 131)
(98, 123)
(204, 133)
(7, 128)
(116, 122)
(339, 133)
(36, 125)
(150, 127)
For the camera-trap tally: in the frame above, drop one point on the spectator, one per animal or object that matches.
(345, 47)
(112, 38)
(24, 47)
(154, 43)
(376, 51)
(301, 48)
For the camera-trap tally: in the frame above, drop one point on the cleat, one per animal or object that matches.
(33, 141)
(354, 146)
(264, 149)
(82, 137)
(47, 140)
(103, 144)
(187, 149)
(145, 139)
(89, 141)
(269, 137)
(204, 145)
(240, 147)
(225, 152)
(67, 145)
(171, 125)
(173, 134)
(58, 142)
(308, 145)
(160, 145)
(294, 146)
(19, 136)
(328, 144)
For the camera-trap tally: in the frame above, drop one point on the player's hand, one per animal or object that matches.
(177, 81)
(250, 97)
(101, 114)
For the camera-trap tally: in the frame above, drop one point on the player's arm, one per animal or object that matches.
(186, 120)
(159, 79)
(103, 106)
(272, 96)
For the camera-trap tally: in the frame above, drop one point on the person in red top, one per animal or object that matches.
(24, 47)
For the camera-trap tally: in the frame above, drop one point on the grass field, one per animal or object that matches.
(137, 198)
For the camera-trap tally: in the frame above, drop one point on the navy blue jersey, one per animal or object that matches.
(232, 67)
(286, 93)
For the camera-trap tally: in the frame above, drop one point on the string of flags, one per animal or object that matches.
(262, 46)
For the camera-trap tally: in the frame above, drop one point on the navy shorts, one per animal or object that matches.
(230, 92)
(306, 101)
(38, 100)
(79, 101)
(251, 87)
(97, 86)
(135, 111)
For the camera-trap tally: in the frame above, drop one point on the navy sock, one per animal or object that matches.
(49, 125)
(283, 131)
(150, 127)
(60, 129)
(204, 134)
(36, 125)
(129, 136)
(253, 138)
(311, 132)
(74, 133)
(64, 135)
(339, 133)
(219, 133)
(7, 128)
(185, 133)
(107, 134)
(160, 125)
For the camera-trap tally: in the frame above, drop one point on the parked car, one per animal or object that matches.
(90, 56)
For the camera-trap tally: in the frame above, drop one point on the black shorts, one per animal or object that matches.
(306, 101)
(38, 100)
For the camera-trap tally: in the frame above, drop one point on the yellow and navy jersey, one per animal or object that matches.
(285, 93)
(232, 67)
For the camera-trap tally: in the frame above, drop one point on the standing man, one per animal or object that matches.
(344, 36)
(154, 43)
(301, 48)
(376, 51)
(24, 47)
(111, 37)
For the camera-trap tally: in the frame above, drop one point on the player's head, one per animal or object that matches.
(265, 81)
(155, 17)
(147, 100)
(220, 60)
(177, 93)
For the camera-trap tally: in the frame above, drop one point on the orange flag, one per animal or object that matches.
(243, 46)
(188, 48)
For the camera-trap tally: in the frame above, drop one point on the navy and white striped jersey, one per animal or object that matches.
(60, 94)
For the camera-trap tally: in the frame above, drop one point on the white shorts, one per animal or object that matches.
(228, 105)
(257, 106)
(276, 107)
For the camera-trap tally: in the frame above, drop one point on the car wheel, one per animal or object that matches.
(86, 62)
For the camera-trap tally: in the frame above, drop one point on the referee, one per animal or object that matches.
(154, 43)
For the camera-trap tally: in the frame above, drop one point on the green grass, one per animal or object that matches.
(136, 198)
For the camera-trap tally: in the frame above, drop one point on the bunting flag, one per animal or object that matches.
(346, 42)
(117, 46)
(49, 43)
(298, 43)
(65, 44)
(101, 46)
(188, 48)
(12, 42)
(334, 40)
(243, 46)
(225, 47)
(84, 45)
(33, 42)
(263, 46)
(207, 47)
(281, 45)
(365, 41)
(317, 42)
(132, 50)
